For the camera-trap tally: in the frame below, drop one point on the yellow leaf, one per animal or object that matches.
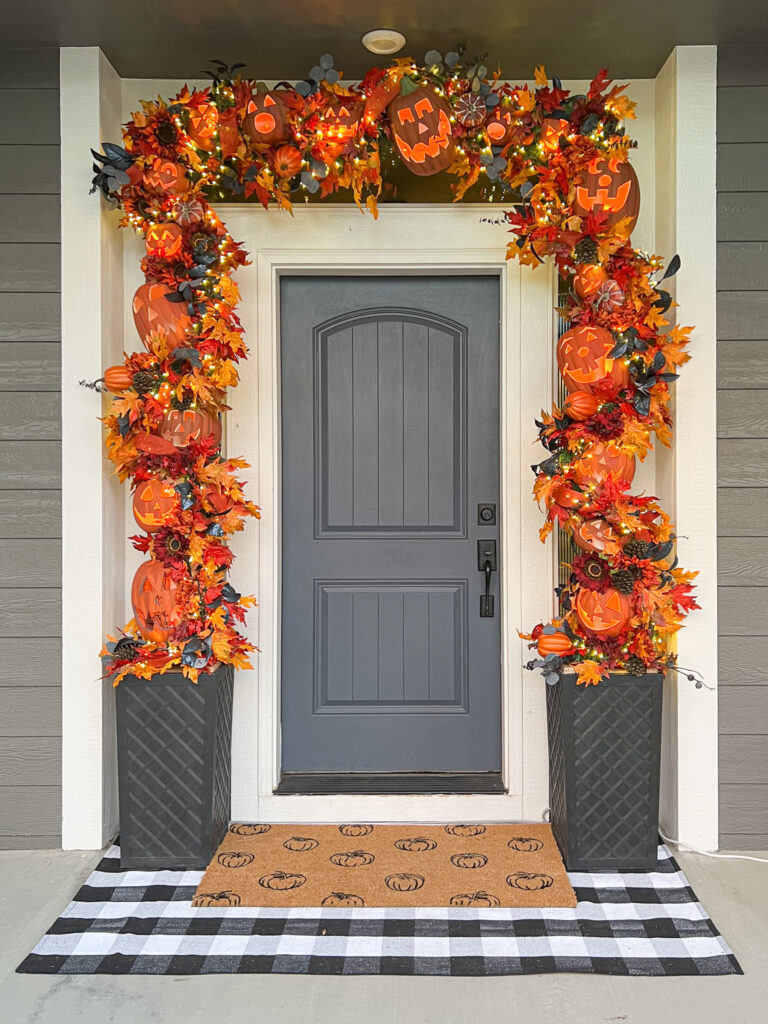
(540, 75)
(589, 673)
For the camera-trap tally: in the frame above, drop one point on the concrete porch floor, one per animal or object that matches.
(37, 885)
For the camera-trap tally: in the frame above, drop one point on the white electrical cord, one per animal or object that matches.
(709, 853)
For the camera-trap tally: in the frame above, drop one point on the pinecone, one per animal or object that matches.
(623, 580)
(585, 251)
(635, 666)
(181, 404)
(144, 382)
(635, 548)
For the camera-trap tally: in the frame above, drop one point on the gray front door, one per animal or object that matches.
(390, 439)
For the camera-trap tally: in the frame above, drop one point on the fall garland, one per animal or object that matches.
(562, 162)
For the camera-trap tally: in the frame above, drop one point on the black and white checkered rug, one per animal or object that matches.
(140, 922)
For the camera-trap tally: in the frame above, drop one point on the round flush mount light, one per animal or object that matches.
(383, 40)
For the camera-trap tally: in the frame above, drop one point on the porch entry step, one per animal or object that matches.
(389, 783)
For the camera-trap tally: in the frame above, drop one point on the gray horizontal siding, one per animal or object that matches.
(742, 429)
(30, 451)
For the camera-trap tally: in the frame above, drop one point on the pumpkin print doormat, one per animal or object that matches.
(356, 865)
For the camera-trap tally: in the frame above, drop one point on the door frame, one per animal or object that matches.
(335, 239)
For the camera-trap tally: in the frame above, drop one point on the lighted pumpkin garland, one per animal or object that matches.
(563, 162)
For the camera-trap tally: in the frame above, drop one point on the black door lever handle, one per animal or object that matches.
(486, 558)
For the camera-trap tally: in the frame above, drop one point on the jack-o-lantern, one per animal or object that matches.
(588, 279)
(154, 313)
(475, 899)
(600, 462)
(153, 597)
(469, 860)
(608, 187)
(604, 614)
(528, 881)
(598, 536)
(499, 126)
(339, 125)
(465, 830)
(203, 122)
(167, 176)
(354, 859)
(552, 128)
(554, 643)
(118, 379)
(180, 426)
(355, 830)
(265, 119)
(416, 845)
(524, 844)
(343, 899)
(153, 502)
(583, 360)
(421, 128)
(404, 882)
(581, 405)
(164, 240)
(282, 881)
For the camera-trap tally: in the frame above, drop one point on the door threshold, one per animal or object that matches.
(388, 783)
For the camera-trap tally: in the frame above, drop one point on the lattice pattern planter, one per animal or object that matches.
(604, 763)
(173, 744)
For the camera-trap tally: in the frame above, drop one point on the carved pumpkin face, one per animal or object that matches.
(300, 844)
(265, 119)
(167, 176)
(154, 313)
(605, 614)
(499, 127)
(529, 882)
(203, 122)
(164, 240)
(608, 187)
(153, 503)
(523, 844)
(421, 128)
(339, 125)
(404, 882)
(553, 643)
(475, 899)
(602, 461)
(552, 128)
(588, 279)
(343, 899)
(469, 860)
(153, 597)
(583, 360)
(355, 859)
(416, 845)
(355, 830)
(282, 880)
(465, 830)
(598, 536)
(182, 426)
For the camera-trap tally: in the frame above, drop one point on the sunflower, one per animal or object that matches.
(591, 572)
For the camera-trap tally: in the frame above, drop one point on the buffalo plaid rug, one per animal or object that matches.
(142, 922)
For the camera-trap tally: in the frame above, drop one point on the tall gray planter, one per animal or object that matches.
(604, 766)
(173, 751)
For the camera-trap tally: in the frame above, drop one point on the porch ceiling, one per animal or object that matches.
(176, 38)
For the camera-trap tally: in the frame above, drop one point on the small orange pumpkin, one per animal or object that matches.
(554, 643)
(241, 829)
(343, 899)
(524, 844)
(601, 461)
(469, 860)
(287, 161)
(404, 882)
(581, 405)
(153, 503)
(588, 279)
(235, 859)
(583, 360)
(475, 899)
(597, 535)
(164, 240)
(282, 881)
(529, 882)
(226, 898)
(417, 845)
(567, 497)
(605, 614)
(465, 830)
(117, 379)
(355, 830)
(354, 859)
(300, 844)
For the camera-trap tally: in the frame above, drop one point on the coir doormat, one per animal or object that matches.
(386, 866)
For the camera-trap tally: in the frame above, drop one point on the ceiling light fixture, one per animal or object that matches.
(383, 40)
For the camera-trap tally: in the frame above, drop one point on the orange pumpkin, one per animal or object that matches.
(416, 845)
(529, 882)
(153, 597)
(300, 844)
(554, 643)
(605, 614)
(583, 360)
(167, 176)
(608, 187)
(421, 127)
(164, 240)
(469, 860)
(499, 127)
(339, 125)
(282, 881)
(552, 128)
(265, 119)
(404, 882)
(343, 899)
(524, 844)
(601, 461)
(235, 859)
(180, 426)
(287, 161)
(203, 122)
(588, 279)
(117, 379)
(249, 830)
(581, 405)
(227, 898)
(154, 313)
(355, 859)
(355, 830)
(153, 503)
(465, 830)
(597, 535)
(475, 899)
(567, 497)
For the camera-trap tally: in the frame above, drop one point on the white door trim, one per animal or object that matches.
(336, 239)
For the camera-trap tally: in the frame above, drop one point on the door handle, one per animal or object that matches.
(486, 563)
